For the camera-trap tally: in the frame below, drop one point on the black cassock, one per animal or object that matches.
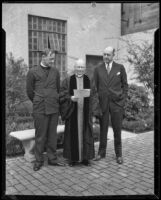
(68, 111)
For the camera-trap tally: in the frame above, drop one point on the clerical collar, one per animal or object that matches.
(44, 66)
(79, 76)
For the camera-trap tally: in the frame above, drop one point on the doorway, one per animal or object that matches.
(92, 61)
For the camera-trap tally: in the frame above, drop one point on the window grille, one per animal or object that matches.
(43, 33)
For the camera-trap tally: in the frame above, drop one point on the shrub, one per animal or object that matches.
(137, 102)
(16, 123)
(142, 58)
(13, 145)
(139, 126)
(24, 119)
(24, 108)
(139, 116)
(15, 82)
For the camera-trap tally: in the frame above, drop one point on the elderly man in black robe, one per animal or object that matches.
(79, 108)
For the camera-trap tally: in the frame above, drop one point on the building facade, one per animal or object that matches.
(76, 30)
(85, 28)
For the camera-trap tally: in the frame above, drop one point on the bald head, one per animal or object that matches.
(80, 62)
(109, 50)
(108, 54)
(80, 67)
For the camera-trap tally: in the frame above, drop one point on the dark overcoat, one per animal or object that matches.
(43, 90)
(68, 110)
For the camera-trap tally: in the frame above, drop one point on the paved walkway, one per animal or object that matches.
(104, 177)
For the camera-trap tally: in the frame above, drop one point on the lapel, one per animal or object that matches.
(112, 71)
(73, 84)
(104, 73)
(41, 73)
(86, 82)
(50, 76)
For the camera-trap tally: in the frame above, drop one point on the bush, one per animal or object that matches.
(24, 108)
(13, 145)
(139, 126)
(137, 102)
(15, 82)
(139, 116)
(25, 119)
(16, 123)
(142, 58)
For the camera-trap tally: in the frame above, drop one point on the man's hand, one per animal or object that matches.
(93, 119)
(73, 98)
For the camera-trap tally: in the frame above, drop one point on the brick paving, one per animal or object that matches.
(105, 177)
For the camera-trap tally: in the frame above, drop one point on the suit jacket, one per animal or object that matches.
(43, 90)
(112, 86)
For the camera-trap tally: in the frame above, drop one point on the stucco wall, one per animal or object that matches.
(87, 26)
(89, 29)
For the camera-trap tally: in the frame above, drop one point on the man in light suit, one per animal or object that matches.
(43, 84)
(111, 82)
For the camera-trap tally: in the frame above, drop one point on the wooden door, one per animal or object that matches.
(92, 61)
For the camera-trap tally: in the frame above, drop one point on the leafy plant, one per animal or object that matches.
(139, 115)
(142, 58)
(137, 102)
(15, 82)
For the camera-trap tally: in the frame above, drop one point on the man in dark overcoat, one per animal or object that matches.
(111, 82)
(79, 116)
(43, 84)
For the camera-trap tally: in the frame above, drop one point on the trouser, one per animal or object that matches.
(45, 135)
(116, 113)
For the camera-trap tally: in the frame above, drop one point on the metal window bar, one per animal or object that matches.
(43, 31)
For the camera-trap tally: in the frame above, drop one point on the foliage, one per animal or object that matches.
(137, 102)
(14, 146)
(139, 126)
(142, 58)
(138, 116)
(15, 82)
(24, 108)
(15, 123)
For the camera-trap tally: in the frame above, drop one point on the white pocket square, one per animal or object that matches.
(118, 73)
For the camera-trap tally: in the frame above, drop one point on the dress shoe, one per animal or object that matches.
(55, 163)
(98, 157)
(37, 166)
(86, 163)
(119, 160)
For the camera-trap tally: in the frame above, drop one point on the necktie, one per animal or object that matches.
(108, 68)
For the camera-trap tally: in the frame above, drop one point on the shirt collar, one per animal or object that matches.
(78, 76)
(110, 64)
(43, 65)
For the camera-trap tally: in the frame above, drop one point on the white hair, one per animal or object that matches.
(79, 62)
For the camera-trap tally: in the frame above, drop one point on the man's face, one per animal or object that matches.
(108, 56)
(49, 59)
(80, 70)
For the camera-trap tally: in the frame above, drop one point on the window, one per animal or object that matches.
(43, 33)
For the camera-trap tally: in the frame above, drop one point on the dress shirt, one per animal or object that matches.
(110, 65)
